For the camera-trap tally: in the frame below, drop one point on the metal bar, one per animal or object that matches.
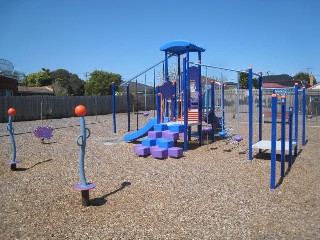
(185, 106)
(113, 106)
(250, 112)
(283, 134)
(200, 103)
(273, 142)
(304, 113)
(128, 106)
(296, 116)
(290, 137)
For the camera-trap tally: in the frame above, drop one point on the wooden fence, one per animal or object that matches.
(29, 107)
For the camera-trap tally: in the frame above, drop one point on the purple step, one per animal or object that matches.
(175, 152)
(159, 152)
(148, 142)
(141, 150)
(154, 134)
(173, 136)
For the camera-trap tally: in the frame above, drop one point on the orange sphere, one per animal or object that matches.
(80, 110)
(11, 111)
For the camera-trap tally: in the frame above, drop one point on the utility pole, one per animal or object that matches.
(86, 74)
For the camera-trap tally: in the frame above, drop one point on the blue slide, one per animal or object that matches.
(141, 132)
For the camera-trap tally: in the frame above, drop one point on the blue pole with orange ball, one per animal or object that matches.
(83, 186)
(13, 162)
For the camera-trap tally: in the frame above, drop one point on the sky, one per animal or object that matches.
(125, 36)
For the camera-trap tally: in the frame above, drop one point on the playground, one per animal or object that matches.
(196, 166)
(213, 191)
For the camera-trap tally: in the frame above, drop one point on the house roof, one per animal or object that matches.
(317, 86)
(180, 47)
(272, 85)
(45, 90)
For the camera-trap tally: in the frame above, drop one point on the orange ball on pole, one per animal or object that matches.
(80, 110)
(12, 111)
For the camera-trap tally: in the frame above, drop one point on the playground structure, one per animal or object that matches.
(273, 144)
(181, 101)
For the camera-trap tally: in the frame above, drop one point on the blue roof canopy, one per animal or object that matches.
(180, 47)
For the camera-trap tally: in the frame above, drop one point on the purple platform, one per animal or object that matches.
(154, 134)
(173, 136)
(175, 152)
(87, 187)
(13, 162)
(148, 142)
(142, 150)
(159, 152)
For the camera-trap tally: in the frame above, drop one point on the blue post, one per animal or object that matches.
(260, 106)
(13, 162)
(222, 107)
(304, 113)
(296, 116)
(283, 134)
(290, 137)
(114, 107)
(185, 105)
(273, 142)
(84, 186)
(128, 106)
(250, 112)
(166, 70)
(200, 102)
(212, 110)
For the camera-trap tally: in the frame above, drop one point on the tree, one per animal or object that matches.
(66, 83)
(38, 79)
(304, 76)
(100, 81)
(244, 81)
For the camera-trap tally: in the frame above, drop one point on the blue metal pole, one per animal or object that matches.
(296, 116)
(114, 108)
(200, 102)
(304, 113)
(174, 100)
(273, 142)
(166, 70)
(222, 107)
(250, 112)
(212, 110)
(283, 134)
(82, 145)
(290, 137)
(128, 106)
(185, 105)
(13, 143)
(260, 106)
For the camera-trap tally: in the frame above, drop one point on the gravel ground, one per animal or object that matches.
(213, 192)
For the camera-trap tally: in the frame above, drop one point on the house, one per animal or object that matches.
(314, 87)
(32, 91)
(285, 80)
(8, 86)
